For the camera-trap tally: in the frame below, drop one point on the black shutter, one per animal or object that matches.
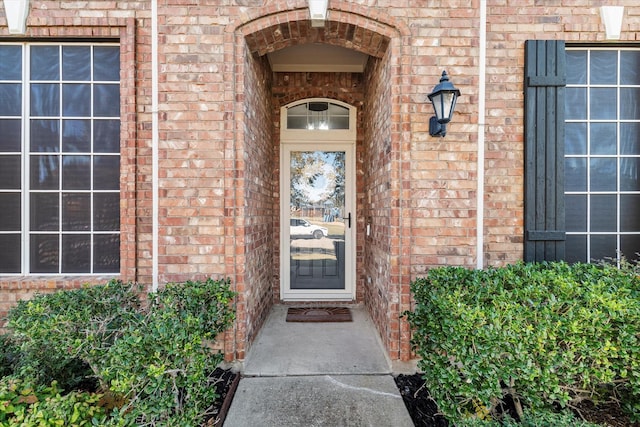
(544, 83)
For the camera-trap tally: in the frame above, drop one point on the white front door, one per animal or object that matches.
(318, 221)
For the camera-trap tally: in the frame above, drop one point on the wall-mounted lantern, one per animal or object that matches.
(443, 98)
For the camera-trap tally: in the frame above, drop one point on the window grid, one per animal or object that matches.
(590, 156)
(78, 228)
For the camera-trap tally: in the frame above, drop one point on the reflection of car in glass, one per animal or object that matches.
(302, 227)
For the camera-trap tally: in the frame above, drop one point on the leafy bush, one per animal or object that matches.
(538, 419)
(24, 404)
(542, 334)
(63, 335)
(152, 363)
(8, 355)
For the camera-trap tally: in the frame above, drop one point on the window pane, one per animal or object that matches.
(45, 100)
(106, 256)
(10, 62)
(629, 138)
(76, 253)
(11, 132)
(603, 174)
(298, 110)
(44, 212)
(76, 63)
(45, 136)
(76, 172)
(45, 172)
(106, 173)
(106, 100)
(76, 136)
(106, 63)
(106, 136)
(45, 63)
(630, 246)
(630, 67)
(338, 122)
(630, 103)
(10, 172)
(106, 212)
(603, 248)
(603, 138)
(576, 103)
(604, 67)
(10, 214)
(576, 67)
(10, 251)
(630, 212)
(603, 103)
(575, 174)
(629, 174)
(76, 100)
(76, 212)
(296, 122)
(575, 137)
(44, 253)
(576, 249)
(603, 212)
(10, 99)
(576, 212)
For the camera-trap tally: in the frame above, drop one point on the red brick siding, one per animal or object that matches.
(259, 192)
(419, 191)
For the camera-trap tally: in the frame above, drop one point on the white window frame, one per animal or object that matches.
(26, 190)
(588, 156)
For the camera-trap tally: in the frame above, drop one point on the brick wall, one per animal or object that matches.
(261, 212)
(377, 161)
(219, 173)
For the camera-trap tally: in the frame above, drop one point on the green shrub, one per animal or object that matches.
(23, 404)
(538, 419)
(63, 335)
(8, 355)
(542, 334)
(154, 364)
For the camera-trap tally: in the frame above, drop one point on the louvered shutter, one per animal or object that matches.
(545, 79)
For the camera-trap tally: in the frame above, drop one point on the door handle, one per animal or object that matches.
(348, 218)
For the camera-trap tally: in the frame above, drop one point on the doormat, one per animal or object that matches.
(319, 314)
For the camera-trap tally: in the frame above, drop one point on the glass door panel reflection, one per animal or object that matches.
(316, 222)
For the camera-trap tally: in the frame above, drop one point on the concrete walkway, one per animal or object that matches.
(317, 374)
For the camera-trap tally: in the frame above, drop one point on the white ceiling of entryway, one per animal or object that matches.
(317, 57)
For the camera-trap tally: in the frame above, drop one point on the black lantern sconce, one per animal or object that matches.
(443, 98)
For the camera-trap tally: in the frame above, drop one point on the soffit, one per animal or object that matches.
(317, 57)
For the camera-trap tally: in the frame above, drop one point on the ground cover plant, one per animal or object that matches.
(544, 337)
(111, 359)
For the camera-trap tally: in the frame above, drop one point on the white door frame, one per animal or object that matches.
(317, 140)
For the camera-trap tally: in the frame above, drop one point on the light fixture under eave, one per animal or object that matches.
(16, 12)
(612, 21)
(318, 12)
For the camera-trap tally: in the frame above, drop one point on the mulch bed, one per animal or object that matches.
(226, 385)
(424, 411)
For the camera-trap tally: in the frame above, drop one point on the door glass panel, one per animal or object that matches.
(316, 225)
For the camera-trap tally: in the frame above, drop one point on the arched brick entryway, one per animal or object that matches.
(255, 95)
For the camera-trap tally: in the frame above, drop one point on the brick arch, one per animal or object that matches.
(283, 23)
(281, 35)
(318, 92)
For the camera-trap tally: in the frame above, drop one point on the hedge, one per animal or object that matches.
(546, 335)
